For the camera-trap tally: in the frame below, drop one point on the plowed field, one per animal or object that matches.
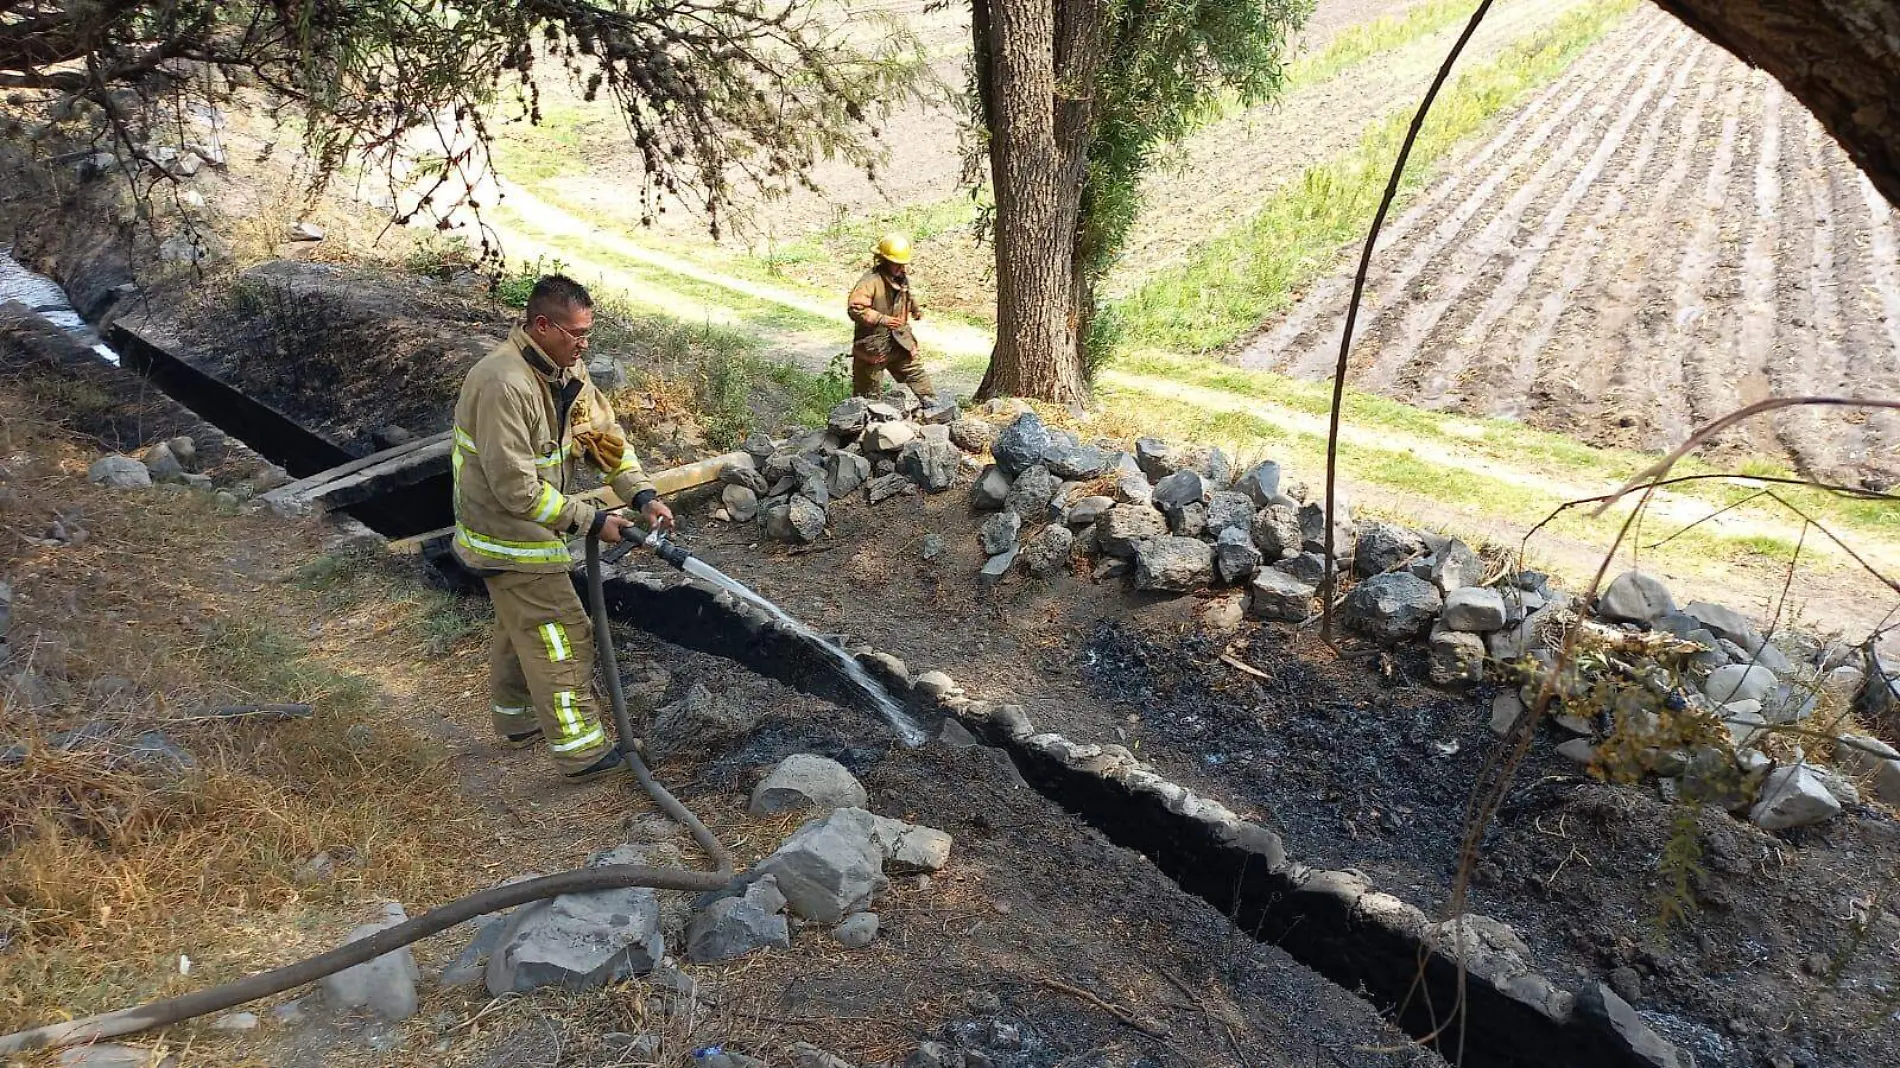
(1660, 236)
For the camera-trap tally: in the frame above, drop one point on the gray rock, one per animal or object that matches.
(931, 464)
(386, 985)
(580, 941)
(1276, 530)
(699, 719)
(909, 848)
(804, 780)
(996, 567)
(849, 418)
(304, 231)
(1261, 483)
(1634, 597)
(1793, 796)
(1477, 609)
(1577, 750)
(113, 1055)
(1456, 566)
(1227, 510)
(1393, 607)
(1087, 510)
(998, 533)
(1769, 656)
(1457, 657)
(805, 1055)
(1087, 544)
(743, 475)
(1235, 558)
(936, 684)
(1080, 463)
(829, 867)
(1125, 527)
(797, 521)
(1309, 568)
(1048, 552)
(1599, 1003)
(1739, 682)
(1280, 597)
(732, 927)
(471, 965)
(991, 489)
(1155, 457)
(163, 465)
(889, 437)
(1030, 493)
(971, 434)
(1872, 760)
(1384, 546)
(1134, 489)
(845, 472)
(1173, 565)
(1313, 529)
(1021, 444)
(1506, 707)
(1722, 622)
(857, 931)
(235, 1021)
(1180, 488)
(740, 503)
(933, 546)
(1186, 520)
(119, 472)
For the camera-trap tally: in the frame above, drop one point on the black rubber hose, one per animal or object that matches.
(189, 1006)
(617, 698)
(178, 1009)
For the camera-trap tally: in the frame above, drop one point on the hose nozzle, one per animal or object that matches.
(665, 549)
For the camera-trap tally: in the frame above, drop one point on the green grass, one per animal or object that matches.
(1356, 44)
(1234, 281)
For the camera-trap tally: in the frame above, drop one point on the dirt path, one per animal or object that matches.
(1659, 238)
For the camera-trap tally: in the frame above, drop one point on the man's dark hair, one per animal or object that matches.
(555, 292)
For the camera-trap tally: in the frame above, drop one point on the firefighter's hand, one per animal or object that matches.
(615, 528)
(659, 516)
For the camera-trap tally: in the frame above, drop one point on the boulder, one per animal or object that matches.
(1506, 707)
(1155, 457)
(1048, 552)
(1261, 483)
(119, 472)
(1793, 796)
(998, 533)
(1739, 682)
(1134, 489)
(1313, 525)
(699, 719)
(163, 464)
(1634, 597)
(740, 503)
(857, 931)
(1309, 568)
(996, 567)
(580, 941)
(884, 487)
(798, 521)
(1235, 557)
(745, 475)
(930, 464)
(889, 437)
(1576, 750)
(991, 489)
(1392, 608)
(1227, 510)
(1597, 1002)
(1126, 526)
(971, 434)
(1456, 566)
(1180, 488)
(1457, 657)
(1873, 760)
(1722, 622)
(1173, 565)
(804, 780)
(1280, 597)
(1276, 531)
(829, 867)
(1080, 463)
(385, 985)
(845, 472)
(1031, 493)
(732, 927)
(1186, 520)
(1087, 510)
(849, 418)
(909, 848)
(1384, 546)
(1477, 609)
(1021, 444)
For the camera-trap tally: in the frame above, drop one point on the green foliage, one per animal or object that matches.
(1169, 66)
(517, 280)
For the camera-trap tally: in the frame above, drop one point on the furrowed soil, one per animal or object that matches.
(1659, 238)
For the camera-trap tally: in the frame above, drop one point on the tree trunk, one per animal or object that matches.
(1040, 61)
(1839, 57)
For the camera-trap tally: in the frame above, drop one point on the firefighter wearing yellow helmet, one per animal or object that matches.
(882, 307)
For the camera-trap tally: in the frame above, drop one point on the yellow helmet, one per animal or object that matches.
(894, 248)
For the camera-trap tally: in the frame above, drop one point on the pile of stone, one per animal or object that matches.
(882, 449)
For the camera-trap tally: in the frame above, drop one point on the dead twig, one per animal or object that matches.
(1237, 664)
(1146, 1027)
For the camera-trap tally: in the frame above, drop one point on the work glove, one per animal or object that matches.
(601, 440)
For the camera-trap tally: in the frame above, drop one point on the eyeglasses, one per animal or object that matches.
(578, 338)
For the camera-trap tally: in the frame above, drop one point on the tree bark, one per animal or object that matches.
(1040, 60)
(1839, 57)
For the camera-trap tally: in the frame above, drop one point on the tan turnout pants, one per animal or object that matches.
(541, 667)
(906, 367)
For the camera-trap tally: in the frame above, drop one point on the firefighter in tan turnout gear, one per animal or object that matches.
(881, 307)
(526, 415)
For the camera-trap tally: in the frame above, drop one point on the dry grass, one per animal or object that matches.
(167, 611)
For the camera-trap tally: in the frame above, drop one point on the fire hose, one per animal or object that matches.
(163, 1013)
